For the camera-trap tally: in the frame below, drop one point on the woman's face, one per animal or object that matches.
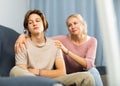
(35, 24)
(75, 26)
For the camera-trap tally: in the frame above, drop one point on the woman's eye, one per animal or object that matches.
(75, 23)
(69, 25)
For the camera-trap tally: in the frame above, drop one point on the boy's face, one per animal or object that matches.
(35, 24)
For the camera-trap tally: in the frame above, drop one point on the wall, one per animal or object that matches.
(12, 13)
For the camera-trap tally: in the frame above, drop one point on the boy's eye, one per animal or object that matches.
(29, 22)
(37, 20)
(32, 21)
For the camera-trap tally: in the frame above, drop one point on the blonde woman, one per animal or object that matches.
(79, 48)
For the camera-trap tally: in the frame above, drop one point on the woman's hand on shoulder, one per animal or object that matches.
(20, 42)
(61, 46)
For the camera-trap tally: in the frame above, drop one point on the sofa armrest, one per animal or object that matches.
(103, 72)
(28, 81)
(8, 37)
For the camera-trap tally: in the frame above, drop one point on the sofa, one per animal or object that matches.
(8, 37)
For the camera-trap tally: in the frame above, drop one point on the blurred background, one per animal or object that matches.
(12, 13)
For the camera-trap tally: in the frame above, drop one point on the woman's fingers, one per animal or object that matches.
(20, 47)
(58, 43)
(16, 47)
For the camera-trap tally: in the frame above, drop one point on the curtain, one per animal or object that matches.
(117, 11)
(56, 12)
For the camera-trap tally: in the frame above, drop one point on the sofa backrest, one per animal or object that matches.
(7, 41)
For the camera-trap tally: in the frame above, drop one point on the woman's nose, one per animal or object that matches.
(72, 26)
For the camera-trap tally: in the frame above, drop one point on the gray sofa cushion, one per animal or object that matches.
(28, 81)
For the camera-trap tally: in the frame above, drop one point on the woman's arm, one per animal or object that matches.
(88, 61)
(75, 57)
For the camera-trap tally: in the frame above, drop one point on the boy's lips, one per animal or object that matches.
(35, 28)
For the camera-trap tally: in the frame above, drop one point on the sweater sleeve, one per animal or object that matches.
(91, 54)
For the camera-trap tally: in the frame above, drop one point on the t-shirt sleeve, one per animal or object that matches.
(59, 54)
(21, 57)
